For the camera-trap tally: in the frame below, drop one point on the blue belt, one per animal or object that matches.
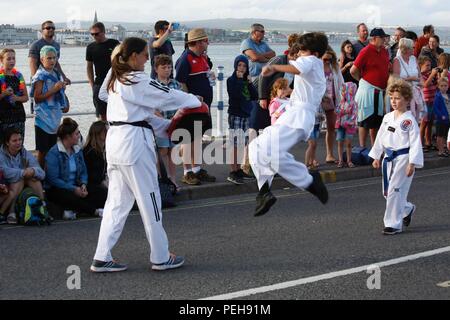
(390, 155)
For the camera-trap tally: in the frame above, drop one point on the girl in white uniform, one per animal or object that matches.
(269, 153)
(399, 140)
(130, 151)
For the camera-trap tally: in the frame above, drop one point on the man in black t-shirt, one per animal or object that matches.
(98, 55)
(160, 43)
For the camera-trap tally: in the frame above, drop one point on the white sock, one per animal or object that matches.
(196, 169)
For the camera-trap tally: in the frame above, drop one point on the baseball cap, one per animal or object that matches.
(378, 32)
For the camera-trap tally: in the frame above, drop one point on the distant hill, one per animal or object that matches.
(244, 25)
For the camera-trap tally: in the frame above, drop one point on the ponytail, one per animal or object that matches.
(120, 67)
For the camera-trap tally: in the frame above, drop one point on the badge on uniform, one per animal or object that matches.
(406, 125)
(391, 129)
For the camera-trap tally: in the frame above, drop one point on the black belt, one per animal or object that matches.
(142, 124)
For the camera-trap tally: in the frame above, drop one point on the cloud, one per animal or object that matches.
(399, 12)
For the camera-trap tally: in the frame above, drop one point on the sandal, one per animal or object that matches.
(351, 165)
(340, 164)
(316, 164)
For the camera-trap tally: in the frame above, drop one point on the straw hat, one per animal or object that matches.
(197, 34)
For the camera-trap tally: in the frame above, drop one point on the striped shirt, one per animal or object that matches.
(429, 92)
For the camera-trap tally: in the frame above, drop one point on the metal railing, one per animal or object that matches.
(219, 92)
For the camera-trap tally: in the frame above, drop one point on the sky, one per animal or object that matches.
(377, 12)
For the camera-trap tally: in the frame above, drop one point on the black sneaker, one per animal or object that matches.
(109, 266)
(407, 219)
(263, 203)
(318, 188)
(203, 175)
(241, 173)
(3, 219)
(235, 178)
(173, 262)
(391, 231)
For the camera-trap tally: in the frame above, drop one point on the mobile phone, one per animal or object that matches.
(175, 25)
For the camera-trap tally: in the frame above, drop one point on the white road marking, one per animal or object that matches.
(444, 284)
(327, 276)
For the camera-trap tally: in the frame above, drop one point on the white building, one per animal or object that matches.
(12, 35)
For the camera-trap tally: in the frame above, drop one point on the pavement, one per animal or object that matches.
(329, 172)
(299, 250)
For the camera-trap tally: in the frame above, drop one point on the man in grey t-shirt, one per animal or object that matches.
(257, 50)
(363, 39)
(48, 33)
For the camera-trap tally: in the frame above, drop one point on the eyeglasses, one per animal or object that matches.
(49, 28)
(94, 34)
(262, 31)
(327, 60)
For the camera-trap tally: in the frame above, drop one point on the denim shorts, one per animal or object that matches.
(164, 142)
(342, 135)
(315, 134)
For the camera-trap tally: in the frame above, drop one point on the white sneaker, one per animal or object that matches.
(99, 212)
(11, 219)
(69, 215)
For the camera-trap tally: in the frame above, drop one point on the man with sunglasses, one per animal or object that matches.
(257, 50)
(98, 57)
(48, 33)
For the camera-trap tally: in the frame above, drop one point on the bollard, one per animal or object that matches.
(219, 115)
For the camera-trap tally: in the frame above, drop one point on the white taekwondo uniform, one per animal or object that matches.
(131, 156)
(269, 152)
(399, 139)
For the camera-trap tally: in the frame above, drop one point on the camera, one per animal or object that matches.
(439, 70)
(175, 26)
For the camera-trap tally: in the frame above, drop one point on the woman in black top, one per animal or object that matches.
(95, 159)
(346, 61)
(94, 154)
(13, 94)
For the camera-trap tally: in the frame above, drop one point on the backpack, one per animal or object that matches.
(359, 156)
(167, 188)
(31, 209)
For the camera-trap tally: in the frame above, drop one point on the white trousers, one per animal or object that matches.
(126, 184)
(269, 154)
(397, 206)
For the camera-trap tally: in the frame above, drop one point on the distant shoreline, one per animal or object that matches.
(24, 46)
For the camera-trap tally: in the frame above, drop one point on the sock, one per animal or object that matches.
(196, 169)
(265, 188)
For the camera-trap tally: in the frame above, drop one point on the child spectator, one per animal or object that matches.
(346, 122)
(331, 99)
(444, 65)
(429, 78)
(441, 109)
(20, 170)
(95, 160)
(242, 95)
(47, 88)
(67, 175)
(163, 68)
(398, 139)
(310, 155)
(13, 94)
(279, 98)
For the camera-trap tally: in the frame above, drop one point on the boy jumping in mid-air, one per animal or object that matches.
(269, 153)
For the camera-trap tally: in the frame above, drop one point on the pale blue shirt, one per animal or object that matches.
(255, 68)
